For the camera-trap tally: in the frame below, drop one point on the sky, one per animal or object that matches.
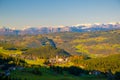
(21, 13)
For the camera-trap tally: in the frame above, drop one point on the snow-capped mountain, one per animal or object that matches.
(74, 28)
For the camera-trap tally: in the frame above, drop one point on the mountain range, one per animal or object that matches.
(74, 28)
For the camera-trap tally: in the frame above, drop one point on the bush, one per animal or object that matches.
(117, 76)
(75, 70)
(12, 48)
(36, 71)
(57, 69)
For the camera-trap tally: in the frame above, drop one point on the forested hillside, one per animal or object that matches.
(103, 64)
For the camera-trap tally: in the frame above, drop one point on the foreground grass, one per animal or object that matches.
(47, 74)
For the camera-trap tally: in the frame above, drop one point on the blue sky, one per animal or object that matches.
(20, 13)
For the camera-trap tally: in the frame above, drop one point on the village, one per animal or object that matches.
(60, 60)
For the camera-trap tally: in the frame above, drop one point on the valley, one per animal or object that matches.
(61, 56)
(59, 39)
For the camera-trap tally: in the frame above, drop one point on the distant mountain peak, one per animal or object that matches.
(74, 28)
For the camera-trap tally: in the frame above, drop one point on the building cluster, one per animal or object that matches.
(58, 60)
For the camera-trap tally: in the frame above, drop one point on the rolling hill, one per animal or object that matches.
(30, 47)
(93, 44)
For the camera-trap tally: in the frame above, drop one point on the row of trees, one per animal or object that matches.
(8, 61)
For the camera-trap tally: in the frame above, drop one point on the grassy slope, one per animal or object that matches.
(36, 62)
